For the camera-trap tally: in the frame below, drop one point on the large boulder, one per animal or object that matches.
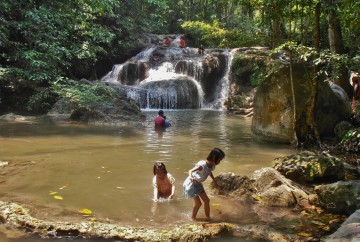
(308, 166)
(273, 189)
(341, 197)
(273, 105)
(266, 187)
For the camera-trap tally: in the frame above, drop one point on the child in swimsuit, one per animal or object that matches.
(163, 182)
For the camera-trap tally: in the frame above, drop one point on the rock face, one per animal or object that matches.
(340, 197)
(208, 71)
(170, 94)
(273, 108)
(308, 166)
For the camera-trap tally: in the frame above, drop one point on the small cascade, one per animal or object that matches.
(144, 56)
(223, 92)
(112, 76)
(167, 78)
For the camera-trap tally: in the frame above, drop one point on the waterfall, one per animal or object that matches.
(167, 78)
(144, 55)
(112, 76)
(224, 89)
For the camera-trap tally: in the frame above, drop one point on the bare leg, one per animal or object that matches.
(196, 207)
(206, 201)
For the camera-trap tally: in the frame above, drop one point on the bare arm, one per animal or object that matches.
(196, 168)
(172, 191)
(156, 195)
(213, 178)
(172, 181)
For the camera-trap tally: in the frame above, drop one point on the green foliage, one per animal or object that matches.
(213, 35)
(247, 70)
(330, 64)
(207, 34)
(84, 95)
(42, 101)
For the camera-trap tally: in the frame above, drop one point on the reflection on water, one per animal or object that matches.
(109, 169)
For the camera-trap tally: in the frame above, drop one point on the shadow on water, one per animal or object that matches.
(108, 169)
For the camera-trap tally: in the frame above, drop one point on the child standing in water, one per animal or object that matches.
(193, 184)
(163, 182)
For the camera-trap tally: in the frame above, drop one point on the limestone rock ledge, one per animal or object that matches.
(16, 216)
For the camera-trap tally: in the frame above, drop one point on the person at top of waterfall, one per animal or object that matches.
(163, 182)
(160, 120)
(167, 42)
(201, 50)
(193, 187)
(182, 43)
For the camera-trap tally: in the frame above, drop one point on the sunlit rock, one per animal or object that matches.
(273, 105)
(265, 186)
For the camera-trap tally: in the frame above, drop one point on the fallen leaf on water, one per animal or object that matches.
(317, 222)
(62, 187)
(85, 211)
(120, 187)
(326, 228)
(216, 204)
(304, 234)
(334, 221)
(52, 193)
(58, 197)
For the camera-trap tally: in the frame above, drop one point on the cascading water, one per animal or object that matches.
(223, 93)
(171, 78)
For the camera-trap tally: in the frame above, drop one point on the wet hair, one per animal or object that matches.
(159, 165)
(216, 155)
(161, 112)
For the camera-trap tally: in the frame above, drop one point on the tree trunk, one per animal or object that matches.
(317, 27)
(337, 47)
(295, 121)
(334, 33)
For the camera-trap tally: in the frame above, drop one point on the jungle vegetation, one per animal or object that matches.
(45, 42)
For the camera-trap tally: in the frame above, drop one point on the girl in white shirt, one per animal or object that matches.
(193, 186)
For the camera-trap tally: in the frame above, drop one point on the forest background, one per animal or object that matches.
(44, 43)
